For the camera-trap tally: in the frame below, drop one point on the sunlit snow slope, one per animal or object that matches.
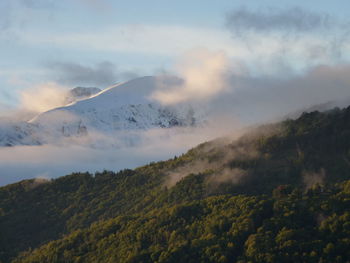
(123, 107)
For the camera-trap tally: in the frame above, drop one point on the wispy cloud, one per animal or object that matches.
(294, 31)
(293, 19)
(101, 74)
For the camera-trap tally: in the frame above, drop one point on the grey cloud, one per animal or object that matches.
(267, 98)
(292, 19)
(286, 26)
(102, 74)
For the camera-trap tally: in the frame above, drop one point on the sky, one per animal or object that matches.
(100, 42)
(248, 62)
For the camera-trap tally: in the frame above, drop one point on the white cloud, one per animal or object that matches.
(43, 97)
(203, 74)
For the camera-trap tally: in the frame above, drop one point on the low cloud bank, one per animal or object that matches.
(24, 162)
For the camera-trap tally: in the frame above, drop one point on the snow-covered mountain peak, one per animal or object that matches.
(132, 92)
(120, 108)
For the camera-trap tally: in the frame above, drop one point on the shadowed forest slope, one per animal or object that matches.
(279, 193)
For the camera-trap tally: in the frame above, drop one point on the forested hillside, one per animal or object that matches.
(277, 194)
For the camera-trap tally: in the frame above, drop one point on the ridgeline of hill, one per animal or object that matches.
(280, 193)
